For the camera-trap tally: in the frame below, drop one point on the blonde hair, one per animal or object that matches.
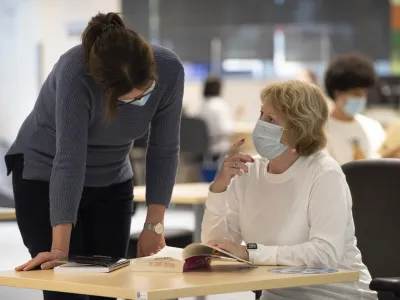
(305, 109)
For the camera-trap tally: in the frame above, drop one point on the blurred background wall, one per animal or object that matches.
(248, 42)
(19, 63)
(251, 42)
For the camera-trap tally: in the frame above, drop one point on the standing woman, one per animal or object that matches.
(71, 173)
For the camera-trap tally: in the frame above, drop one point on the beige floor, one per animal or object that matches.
(13, 252)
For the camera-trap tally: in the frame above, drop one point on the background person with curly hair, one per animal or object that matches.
(351, 136)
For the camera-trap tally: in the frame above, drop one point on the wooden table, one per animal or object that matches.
(126, 284)
(7, 214)
(194, 194)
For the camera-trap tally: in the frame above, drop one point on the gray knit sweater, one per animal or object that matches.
(67, 141)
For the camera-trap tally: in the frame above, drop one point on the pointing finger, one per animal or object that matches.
(241, 157)
(235, 148)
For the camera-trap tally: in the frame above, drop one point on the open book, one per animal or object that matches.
(94, 264)
(193, 257)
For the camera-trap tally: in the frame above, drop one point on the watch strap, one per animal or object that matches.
(149, 226)
(157, 228)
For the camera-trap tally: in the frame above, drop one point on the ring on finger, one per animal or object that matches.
(236, 164)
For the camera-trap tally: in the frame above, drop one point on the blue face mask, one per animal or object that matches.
(142, 101)
(267, 139)
(355, 105)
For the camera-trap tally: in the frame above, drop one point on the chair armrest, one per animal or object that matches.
(386, 285)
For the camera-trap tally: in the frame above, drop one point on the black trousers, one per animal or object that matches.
(103, 225)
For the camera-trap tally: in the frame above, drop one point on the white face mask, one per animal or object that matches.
(267, 140)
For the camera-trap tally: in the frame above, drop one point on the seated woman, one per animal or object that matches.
(293, 201)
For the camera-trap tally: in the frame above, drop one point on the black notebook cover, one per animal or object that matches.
(109, 263)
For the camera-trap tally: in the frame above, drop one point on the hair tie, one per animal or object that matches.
(107, 26)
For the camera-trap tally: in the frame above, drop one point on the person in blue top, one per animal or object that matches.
(71, 172)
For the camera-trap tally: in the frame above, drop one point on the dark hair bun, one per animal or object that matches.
(97, 26)
(110, 19)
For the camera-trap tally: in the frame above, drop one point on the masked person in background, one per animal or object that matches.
(291, 205)
(351, 136)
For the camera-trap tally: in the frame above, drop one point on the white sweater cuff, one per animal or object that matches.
(264, 255)
(217, 202)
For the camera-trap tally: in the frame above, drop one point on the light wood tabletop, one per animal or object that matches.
(183, 193)
(127, 284)
(7, 214)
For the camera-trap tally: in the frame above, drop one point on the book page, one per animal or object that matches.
(171, 252)
(198, 249)
(168, 259)
(74, 267)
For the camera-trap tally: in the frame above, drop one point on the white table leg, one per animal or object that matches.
(198, 218)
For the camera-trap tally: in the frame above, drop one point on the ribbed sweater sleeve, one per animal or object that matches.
(164, 141)
(68, 172)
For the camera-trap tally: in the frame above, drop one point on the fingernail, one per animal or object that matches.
(252, 160)
(242, 140)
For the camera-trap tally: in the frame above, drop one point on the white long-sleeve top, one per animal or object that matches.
(301, 217)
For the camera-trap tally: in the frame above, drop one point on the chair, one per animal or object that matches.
(6, 188)
(375, 189)
(194, 141)
(194, 136)
(195, 148)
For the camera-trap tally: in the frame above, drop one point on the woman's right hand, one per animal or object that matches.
(234, 165)
(44, 260)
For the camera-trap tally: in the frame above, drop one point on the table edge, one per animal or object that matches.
(260, 284)
(8, 216)
(73, 287)
(160, 294)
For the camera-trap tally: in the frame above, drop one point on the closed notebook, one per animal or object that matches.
(92, 264)
(196, 256)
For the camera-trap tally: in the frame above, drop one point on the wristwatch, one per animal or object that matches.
(157, 228)
(251, 246)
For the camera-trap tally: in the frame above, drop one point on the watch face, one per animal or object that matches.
(252, 246)
(159, 228)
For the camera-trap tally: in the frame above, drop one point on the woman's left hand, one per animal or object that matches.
(44, 260)
(149, 243)
(231, 247)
